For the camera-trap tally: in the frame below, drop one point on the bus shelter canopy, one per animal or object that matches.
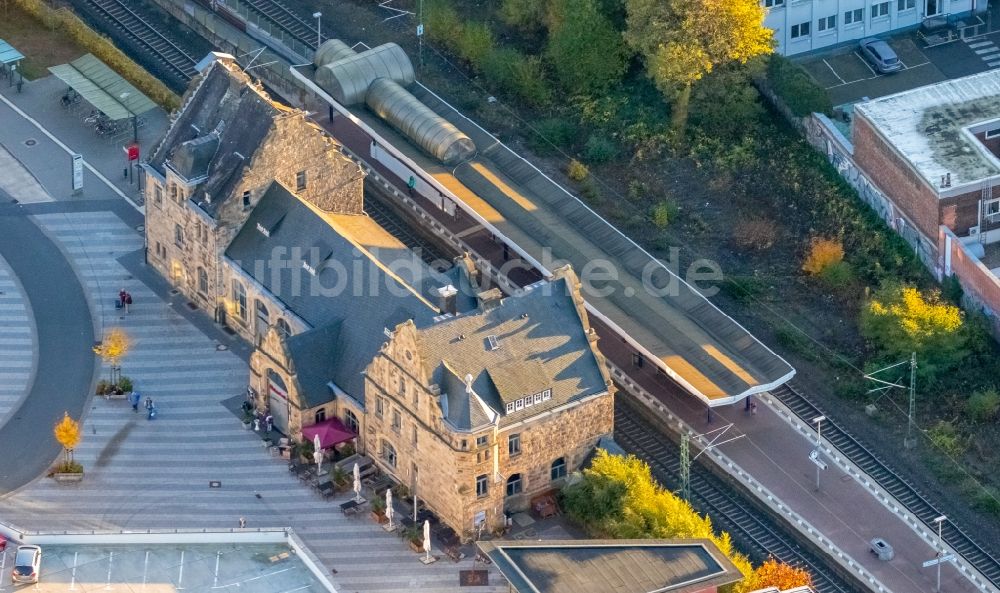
(103, 88)
(9, 55)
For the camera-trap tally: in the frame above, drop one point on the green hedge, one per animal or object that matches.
(794, 86)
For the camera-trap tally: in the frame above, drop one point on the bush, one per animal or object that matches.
(442, 23)
(103, 387)
(599, 149)
(552, 135)
(474, 43)
(577, 171)
(754, 233)
(512, 71)
(663, 214)
(983, 405)
(590, 192)
(798, 91)
(743, 289)
(125, 384)
(587, 54)
(526, 15)
(69, 467)
(947, 439)
(822, 254)
(837, 275)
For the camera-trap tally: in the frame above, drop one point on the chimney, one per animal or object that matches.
(490, 299)
(947, 179)
(447, 301)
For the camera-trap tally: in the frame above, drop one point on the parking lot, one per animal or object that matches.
(848, 77)
(256, 568)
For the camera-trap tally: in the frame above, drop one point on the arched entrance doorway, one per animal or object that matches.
(277, 401)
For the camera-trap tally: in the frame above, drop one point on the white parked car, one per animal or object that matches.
(27, 563)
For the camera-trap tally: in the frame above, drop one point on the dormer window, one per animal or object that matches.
(300, 181)
(246, 199)
(510, 407)
(519, 404)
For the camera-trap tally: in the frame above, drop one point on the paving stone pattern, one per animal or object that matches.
(155, 474)
(17, 343)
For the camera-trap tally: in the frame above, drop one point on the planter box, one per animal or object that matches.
(247, 425)
(68, 477)
(417, 546)
(117, 396)
(379, 518)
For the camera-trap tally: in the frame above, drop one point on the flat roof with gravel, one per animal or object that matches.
(927, 125)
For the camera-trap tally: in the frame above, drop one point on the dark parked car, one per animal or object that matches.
(882, 57)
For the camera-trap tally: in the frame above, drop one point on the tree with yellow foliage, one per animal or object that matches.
(683, 40)
(619, 498)
(112, 350)
(901, 319)
(67, 433)
(777, 574)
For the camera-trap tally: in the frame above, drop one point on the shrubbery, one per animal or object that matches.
(794, 86)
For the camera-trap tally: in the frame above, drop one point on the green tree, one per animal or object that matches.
(526, 15)
(900, 319)
(683, 40)
(586, 52)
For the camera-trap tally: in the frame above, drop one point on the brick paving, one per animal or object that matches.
(17, 342)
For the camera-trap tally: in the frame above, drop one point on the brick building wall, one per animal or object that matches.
(443, 463)
(978, 282)
(904, 187)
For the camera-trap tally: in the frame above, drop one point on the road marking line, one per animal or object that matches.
(240, 583)
(993, 64)
(72, 583)
(842, 81)
(59, 143)
(865, 62)
(980, 43)
(991, 50)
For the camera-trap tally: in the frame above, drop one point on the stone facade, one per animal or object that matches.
(186, 243)
(404, 431)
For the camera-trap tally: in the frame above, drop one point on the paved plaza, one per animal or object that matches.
(17, 342)
(143, 474)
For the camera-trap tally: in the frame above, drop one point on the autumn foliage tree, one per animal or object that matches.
(683, 40)
(112, 350)
(822, 254)
(67, 433)
(776, 574)
(901, 319)
(618, 498)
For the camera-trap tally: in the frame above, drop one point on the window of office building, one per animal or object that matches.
(482, 486)
(800, 30)
(827, 23)
(902, 5)
(852, 17)
(879, 10)
(514, 485)
(558, 469)
(514, 444)
(773, 3)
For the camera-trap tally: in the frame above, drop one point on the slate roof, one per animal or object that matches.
(611, 566)
(926, 124)
(223, 102)
(312, 355)
(542, 345)
(370, 300)
(192, 159)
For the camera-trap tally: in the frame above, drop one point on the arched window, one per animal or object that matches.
(558, 469)
(389, 453)
(514, 485)
(320, 415)
(351, 421)
(283, 327)
(203, 281)
(240, 300)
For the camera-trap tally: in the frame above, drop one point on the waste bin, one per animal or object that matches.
(882, 549)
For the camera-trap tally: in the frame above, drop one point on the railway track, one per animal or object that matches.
(727, 510)
(286, 20)
(172, 58)
(907, 494)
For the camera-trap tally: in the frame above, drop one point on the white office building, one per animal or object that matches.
(805, 25)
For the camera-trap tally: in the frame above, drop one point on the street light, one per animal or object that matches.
(319, 37)
(940, 551)
(818, 421)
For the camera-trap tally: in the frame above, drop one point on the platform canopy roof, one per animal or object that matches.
(9, 55)
(103, 88)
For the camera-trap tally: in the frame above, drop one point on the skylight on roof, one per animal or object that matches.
(493, 341)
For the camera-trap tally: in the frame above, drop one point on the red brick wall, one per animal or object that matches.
(961, 212)
(893, 176)
(976, 280)
(993, 144)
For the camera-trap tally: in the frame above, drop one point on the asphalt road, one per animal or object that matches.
(65, 335)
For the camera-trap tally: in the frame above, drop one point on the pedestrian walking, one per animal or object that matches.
(243, 522)
(753, 409)
(149, 403)
(121, 298)
(269, 422)
(128, 301)
(133, 399)
(410, 184)
(150, 409)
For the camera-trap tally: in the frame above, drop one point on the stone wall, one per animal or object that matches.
(443, 463)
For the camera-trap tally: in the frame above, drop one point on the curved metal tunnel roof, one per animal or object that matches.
(348, 78)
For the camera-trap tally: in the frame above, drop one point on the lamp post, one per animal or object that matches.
(940, 551)
(818, 420)
(319, 24)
